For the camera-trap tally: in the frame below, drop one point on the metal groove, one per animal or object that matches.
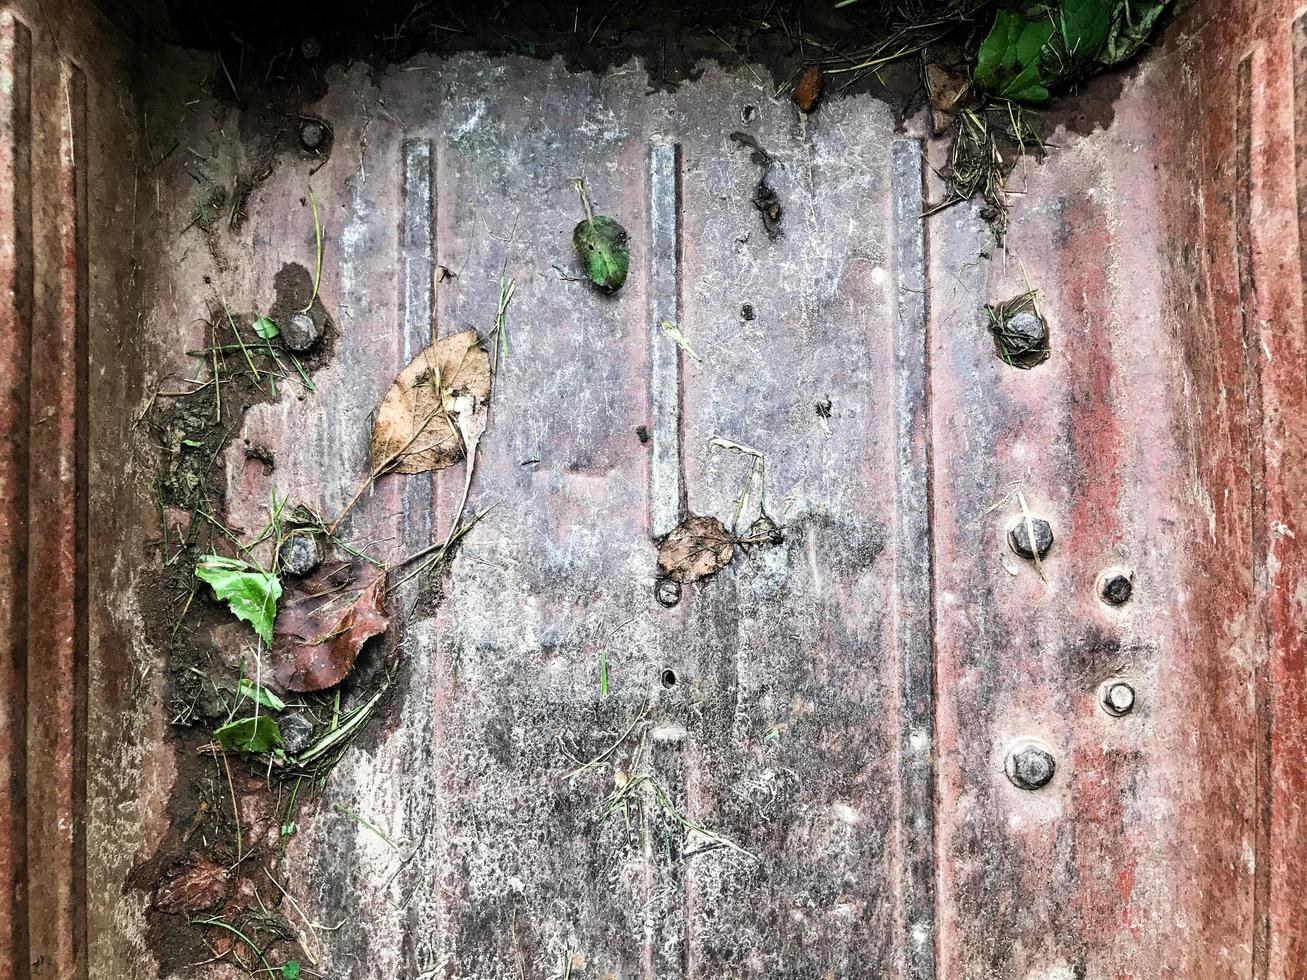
(666, 940)
(58, 633)
(666, 482)
(16, 293)
(416, 304)
(913, 564)
(1256, 449)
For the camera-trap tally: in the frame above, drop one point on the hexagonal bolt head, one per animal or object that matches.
(1030, 767)
(298, 554)
(1116, 588)
(667, 592)
(1019, 540)
(1118, 698)
(314, 134)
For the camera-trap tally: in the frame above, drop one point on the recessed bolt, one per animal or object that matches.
(1030, 767)
(1116, 587)
(314, 134)
(298, 554)
(667, 592)
(310, 47)
(1019, 538)
(1118, 698)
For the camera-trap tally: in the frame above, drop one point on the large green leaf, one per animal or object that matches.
(602, 244)
(251, 593)
(261, 734)
(1131, 23)
(1082, 27)
(1011, 59)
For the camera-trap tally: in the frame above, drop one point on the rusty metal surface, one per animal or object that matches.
(800, 717)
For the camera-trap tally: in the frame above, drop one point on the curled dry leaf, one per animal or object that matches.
(197, 883)
(415, 429)
(808, 91)
(325, 622)
(696, 548)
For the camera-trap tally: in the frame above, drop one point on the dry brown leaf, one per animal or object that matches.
(415, 430)
(324, 622)
(696, 548)
(808, 91)
(195, 884)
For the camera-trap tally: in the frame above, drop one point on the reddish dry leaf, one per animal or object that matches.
(324, 622)
(696, 548)
(414, 430)
(808, 91)
(198, 883)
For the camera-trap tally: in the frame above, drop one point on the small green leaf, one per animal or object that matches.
(261, 734)
(265, 328)
(1082, 30)
(252, 594)
(674, 333)
(193, 443)
(602, 244)
(259, 693)
(291, 970)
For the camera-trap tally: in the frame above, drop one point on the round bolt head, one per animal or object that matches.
(313, 134)
(1030, 767)
(1019, 538)
(298, 554)
(1119, 698)
(1116, 588)
(667, 592)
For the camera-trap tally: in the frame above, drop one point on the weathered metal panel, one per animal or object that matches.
(786, 704)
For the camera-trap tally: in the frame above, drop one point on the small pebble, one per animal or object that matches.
(298, 554)
(296, 732)
(312, 134)
(300, 332)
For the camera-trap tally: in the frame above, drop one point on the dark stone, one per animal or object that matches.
(1117, 589)
(1031, 768)
(746, 311)
(1025, 332)
(1019, 539)
(667, 592)
(300, 332)
(642, 433)
(298, 554)
(296, 732)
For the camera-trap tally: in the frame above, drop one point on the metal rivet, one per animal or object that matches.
(314, 134)
(1118, 698)
(1116, 586)
(1030, 767)
(667, 592)
(1019, 539)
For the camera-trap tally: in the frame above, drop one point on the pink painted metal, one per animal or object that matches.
(800, 717)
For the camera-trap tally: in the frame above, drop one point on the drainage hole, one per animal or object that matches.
(669, 678)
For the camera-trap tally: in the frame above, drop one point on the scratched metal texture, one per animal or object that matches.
(842, 701)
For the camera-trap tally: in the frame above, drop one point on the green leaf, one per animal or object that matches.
(602, 244)
(1010, 63)
(1131, 23)
(252, 594)
(259, 693)
(261, 734)
(291, 970)
(675, 334)
(1082, 31)
(265, 328)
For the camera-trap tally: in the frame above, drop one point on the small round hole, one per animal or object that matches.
(748, 113)
(669, 678)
